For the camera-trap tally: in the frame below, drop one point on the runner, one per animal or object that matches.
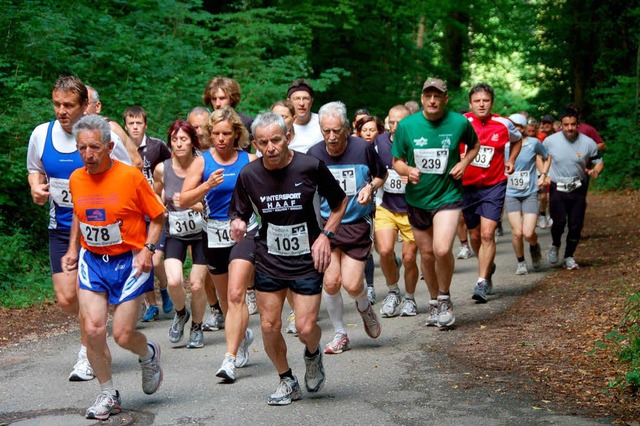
(111, 200)
(292, 251)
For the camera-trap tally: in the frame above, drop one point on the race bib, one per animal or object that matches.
(288, 240)
(219, 233)
(483, 157)
(393, 184)
(346, 178)
(568, 184)
(518, 180)
(431, 160)
(101, 236)
(185, 222)
(59, 191)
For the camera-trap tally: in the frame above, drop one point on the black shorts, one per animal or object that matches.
(354, 239)
(484, 202)
(58, 246)
(422, 220)
(218, 259)
(176, 248)
(304, 286)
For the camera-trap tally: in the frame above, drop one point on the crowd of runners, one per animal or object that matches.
(287, 207)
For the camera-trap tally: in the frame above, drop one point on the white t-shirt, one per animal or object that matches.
(65, 143)
(307, 135)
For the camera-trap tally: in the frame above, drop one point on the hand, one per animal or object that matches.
(414, 175)
(40, 193)
(176, 200)
(215, 178)
(509, 168)
(142, 262)
(365, 195)
(321, 253)
(457, 171)
(69, 261)
(238, 229)
(593, 173)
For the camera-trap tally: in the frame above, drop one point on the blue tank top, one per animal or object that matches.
(58, 165)
(218, 199)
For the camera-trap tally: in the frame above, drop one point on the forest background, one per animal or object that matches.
(539, 55)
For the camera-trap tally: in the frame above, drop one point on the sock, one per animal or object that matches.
(196, 326)
(335, 308)
(308, 354)
(182, 312)
(520, 259)
(217, 306)
(108, 388)
(393, 288)
(409, 296)
(442, 293)
(287, 373)
(464, 243)
(230, 355)
(83, 352)
(164, 293)
(480, 279)
(150, 353)
(362, 301)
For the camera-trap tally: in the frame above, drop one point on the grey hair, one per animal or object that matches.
(94, 93)
(93, 122)
(334, 109)
(199, 111)
(266, 119)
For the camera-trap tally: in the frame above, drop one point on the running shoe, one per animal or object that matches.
(339, 344)
(465, 252)
(371, 295)
(570, 263)
(522, 268)
(446, 318)
(536, 256)
(215, 322)
(480, 292)
(167, 304)
(176, 332)
(242, 356)
(252, 305)
(291, 324)
(370, 320)
(499, 230)
(390, 305)
(105, 405)
(409, 308)
(151, 371)
(314, 374)
(492, 271)
(542, 221)
(288, 391)
(432, 318)
(151, 314)
(552, 256)
(196, 339)
(82, 370)
(549, 222)
(227, 371)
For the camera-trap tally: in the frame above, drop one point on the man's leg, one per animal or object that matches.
(335, 305)
(94, 308)
(445, 224)
(270, 308)
(351, 271)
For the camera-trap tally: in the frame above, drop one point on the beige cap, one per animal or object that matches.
(436, 83)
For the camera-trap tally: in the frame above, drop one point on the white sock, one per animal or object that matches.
(409, 296)
(108, 387)
(150, 353)
(335, 307)
(393, 288)
(83, 352)
(362, 301)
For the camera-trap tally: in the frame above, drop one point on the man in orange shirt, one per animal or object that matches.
(114, 263)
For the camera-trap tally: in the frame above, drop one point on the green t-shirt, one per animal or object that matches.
(434, 148)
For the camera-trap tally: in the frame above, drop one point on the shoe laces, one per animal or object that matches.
(391, 298)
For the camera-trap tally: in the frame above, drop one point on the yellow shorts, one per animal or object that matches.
(386, 219)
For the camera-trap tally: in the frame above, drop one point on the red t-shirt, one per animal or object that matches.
(487, 169)
(111, 208)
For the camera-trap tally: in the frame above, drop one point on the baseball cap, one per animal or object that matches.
(518, 119)
(548, 118)
(436, 83)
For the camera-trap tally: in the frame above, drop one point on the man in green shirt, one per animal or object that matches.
(426, 148)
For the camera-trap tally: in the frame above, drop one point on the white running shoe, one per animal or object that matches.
(105, 405)
(314, 374)
(227, 371)
(82, 371)
(291, 324)
(152, 371)
(552, 256)
(465, 252)
(432, 313)
(337, 345)
(252, 305)
(242, 356)
(522, 268)
(409, 308)
(570, 263)
(390, 305)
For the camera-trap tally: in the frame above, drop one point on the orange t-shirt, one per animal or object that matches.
(111, 208)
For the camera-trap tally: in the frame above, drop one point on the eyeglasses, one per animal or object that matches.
(304, 99)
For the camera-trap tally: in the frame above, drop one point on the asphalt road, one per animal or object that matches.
(403, 377)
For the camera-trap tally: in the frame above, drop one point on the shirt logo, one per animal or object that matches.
(446, 142)
(297, 184)
(495, 137)
(421, 141)
(96, 215)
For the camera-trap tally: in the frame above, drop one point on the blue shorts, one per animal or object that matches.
(484, 202)
(58, 246)
(113, 275)
(304, 286)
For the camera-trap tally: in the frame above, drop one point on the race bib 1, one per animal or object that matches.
(518, 180)
(59, 191)
(288, 240)
(219, 233)
(393, 184)
(431, 160)
(483, 157)
(568, 184)
(346, 178)
(101, 236)
(185, 222)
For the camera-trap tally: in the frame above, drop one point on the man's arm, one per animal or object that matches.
(514, 150)
(143, 261)
(39, 188)
(403, 169)
(457, 171)
(131, 147)
(70, 259)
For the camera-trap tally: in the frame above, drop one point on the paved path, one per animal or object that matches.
(400, 378)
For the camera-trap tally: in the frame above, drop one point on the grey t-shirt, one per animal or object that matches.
(570, 158)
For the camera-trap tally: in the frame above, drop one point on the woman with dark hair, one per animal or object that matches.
(368, 127)
(213, 177)
(184, 229)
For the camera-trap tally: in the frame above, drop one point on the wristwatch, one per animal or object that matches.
(373, 187)
(330, 235)
(151, 247)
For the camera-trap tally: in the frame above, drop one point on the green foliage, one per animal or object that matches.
(625, 340)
